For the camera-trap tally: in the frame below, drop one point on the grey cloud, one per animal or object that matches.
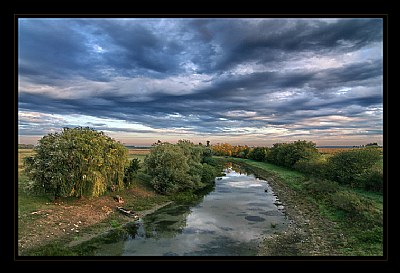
(68, 54)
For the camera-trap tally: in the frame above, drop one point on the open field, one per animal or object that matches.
(323, 150)
(333, 150)
(138, 153)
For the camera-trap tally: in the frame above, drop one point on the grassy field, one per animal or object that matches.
(351, 232)
(138, 153)
(333, 150)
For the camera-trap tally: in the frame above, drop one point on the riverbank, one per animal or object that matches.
(53, 228)
(317, 228)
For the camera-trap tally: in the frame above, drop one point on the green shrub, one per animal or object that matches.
(356, 206)
(179, 167)
(209, 173)
(371, 180)
(167, 164)
(131, 170)
(321, 186)
(315, 166)
(77, 162)
(352, 167)
(258, 153)
(288, 154)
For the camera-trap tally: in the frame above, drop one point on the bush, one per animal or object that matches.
(352, 167)
(321, 187)
(77, 162)
(209, 173)
(316, 167)
(179, 167)
(210, 161)
(167, 164)
(372, 180)
(258, 153)
(356, 206)
(131, 170)
(288, 154)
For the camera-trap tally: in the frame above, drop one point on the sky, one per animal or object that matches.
(254, 81)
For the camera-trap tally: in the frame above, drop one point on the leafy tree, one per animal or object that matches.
(374, 144)
(259, 153)
(351, 167)
(193, 154)
(180, 167)
(131, 170)
(167, 164)
(209, 173)
(287, 154)
(77, 162)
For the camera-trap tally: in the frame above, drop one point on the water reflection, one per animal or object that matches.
(230, 220)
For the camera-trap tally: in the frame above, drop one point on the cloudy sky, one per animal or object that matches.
(241, 81)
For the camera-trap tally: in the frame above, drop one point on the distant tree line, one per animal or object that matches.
(358, 168)
(25, 146)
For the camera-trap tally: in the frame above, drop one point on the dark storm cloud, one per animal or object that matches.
(274, 40)
(204, 75)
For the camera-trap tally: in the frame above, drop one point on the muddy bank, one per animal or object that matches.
(308, 233)
(124, 221)
(69, 222)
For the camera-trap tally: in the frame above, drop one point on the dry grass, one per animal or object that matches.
(139, 151)
(333, 150)
(22, 153)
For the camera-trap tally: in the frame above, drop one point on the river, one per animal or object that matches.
(231, 219)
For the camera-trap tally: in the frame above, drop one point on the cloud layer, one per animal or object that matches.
(254, 81)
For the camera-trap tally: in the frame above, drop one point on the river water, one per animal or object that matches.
(230, 220)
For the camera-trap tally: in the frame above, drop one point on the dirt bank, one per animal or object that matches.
(308, 234)
(73, 221)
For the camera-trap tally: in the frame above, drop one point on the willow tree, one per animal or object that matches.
(77, 162)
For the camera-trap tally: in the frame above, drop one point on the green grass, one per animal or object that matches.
(28, 202)
(292, 178)
(138, 156)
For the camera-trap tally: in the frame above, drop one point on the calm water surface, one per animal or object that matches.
(229, 220)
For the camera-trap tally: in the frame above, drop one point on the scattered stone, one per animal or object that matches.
(127, 212)
(118, 199)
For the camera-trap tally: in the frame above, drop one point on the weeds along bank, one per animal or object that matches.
(340, 194)
(360, 168)
(329, 218)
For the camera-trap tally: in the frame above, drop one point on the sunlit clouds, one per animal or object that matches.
(242, 81)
